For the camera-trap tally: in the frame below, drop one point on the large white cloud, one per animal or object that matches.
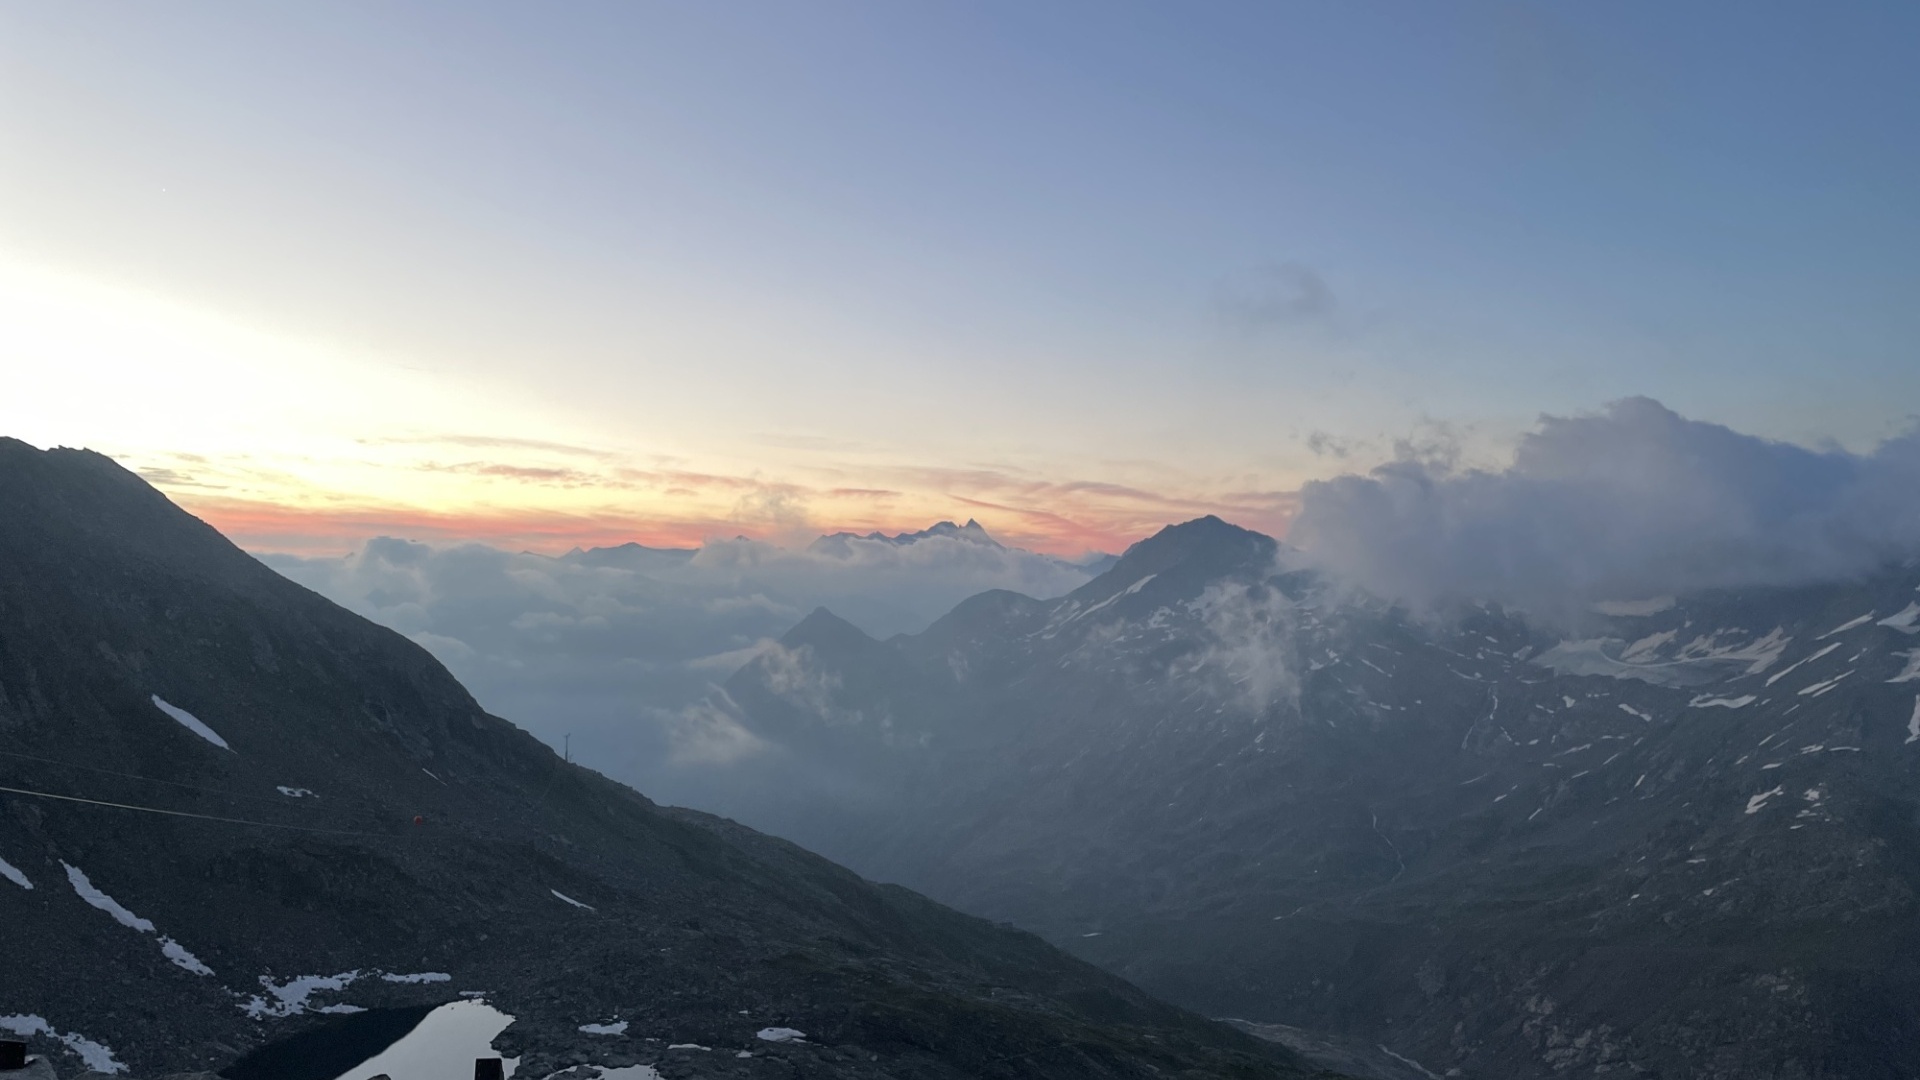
(1631, 502)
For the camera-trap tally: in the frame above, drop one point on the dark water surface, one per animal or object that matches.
(326, 1051)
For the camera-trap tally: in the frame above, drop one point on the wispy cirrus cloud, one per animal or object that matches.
(492, 442)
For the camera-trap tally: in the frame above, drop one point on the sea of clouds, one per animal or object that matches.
(620, 649)
(623, 649)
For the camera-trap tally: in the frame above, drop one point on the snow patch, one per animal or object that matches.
(13, 874)
(571, 900)
(618, 1027)
(291, 996)
(1705, 701)
(1846, 626)
(1822, 687)
(191, 723)
(93, 1055)
(296, 792)
(1759, 802)
(1905, 620)
(417, 977)
(1647, 645)
(1405, 1060)
(1631, 711)
(1692, 663)
(779, 1034)
(1128, 591)
(78, 878)
(1788, 670)
(1912, 670)
(169, 948)
(1913, 723)
(1758, 654)
(178, 953)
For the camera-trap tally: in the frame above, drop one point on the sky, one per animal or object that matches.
(543, 277)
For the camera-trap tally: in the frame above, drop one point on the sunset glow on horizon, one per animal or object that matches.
(665, 274)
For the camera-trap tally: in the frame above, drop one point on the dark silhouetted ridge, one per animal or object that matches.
(430, 836)
(1200, 550)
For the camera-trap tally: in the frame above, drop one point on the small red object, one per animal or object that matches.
(418, 820)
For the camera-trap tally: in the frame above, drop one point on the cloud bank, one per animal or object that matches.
(619, 647)
(1635, 501)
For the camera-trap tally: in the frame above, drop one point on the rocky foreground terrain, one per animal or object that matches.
(1672, 837)
(235, 809)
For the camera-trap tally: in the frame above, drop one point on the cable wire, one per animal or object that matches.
(137, 776)
(188, 814)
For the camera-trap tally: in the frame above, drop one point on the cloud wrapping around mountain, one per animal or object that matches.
(1246, 655)
(1635, 501)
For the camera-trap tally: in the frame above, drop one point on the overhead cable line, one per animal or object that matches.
(137, 776)
(188, 814)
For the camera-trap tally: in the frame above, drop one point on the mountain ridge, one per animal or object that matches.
(1464, 836)
(365, 815)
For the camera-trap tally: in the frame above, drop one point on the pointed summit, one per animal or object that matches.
(827, 633)
(972, 532)
(1207, 545)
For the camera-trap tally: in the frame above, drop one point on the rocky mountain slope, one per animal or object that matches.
(1681, 839)
(232, 807)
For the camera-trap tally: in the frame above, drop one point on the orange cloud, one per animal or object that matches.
(549, 497)
(259, 525)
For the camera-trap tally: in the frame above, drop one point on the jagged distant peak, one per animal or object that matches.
(972, 532)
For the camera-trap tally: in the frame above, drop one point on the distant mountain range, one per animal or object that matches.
(608, 649)
(233, 808)
(840, 545)
(1680, 838)
(971, 533)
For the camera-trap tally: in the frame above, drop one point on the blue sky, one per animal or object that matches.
(1080, 266)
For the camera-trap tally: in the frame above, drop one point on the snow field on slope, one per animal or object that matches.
(191, 723)
(12, 873)
(95, 1056)
(171, 949)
